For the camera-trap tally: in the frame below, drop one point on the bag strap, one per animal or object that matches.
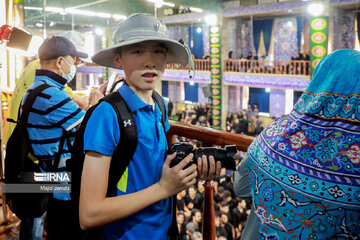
(126, 147)
(156, 96)
(29, 102)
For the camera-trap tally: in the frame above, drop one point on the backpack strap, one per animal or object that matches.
(126, 147)
(173, 232)
(156, 96)
(29, 102)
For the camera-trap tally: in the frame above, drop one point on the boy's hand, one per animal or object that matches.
(207, 170)
(175, 179)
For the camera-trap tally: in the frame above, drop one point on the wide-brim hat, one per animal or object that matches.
(140, 28)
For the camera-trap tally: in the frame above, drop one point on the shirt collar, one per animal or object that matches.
(132, 100)
(56, 77)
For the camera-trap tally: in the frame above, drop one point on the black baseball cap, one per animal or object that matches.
(57, 46)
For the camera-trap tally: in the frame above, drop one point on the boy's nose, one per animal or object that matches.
(149, 60)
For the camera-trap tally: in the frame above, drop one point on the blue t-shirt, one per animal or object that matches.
(52, 112)
(102, 135)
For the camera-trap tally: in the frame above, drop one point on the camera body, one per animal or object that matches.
(225, 155)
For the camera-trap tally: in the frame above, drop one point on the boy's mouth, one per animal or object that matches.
(149, 76)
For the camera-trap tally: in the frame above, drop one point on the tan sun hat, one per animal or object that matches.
(139, 28)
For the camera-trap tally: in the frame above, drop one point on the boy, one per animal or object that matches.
(140, 207)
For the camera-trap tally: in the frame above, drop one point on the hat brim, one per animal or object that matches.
(80, 54)
(176, 52)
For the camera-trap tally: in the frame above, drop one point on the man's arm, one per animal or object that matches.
(96, 209)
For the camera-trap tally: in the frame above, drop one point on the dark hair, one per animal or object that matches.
(224, 203)
(226, 193)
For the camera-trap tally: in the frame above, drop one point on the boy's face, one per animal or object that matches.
(143, 64)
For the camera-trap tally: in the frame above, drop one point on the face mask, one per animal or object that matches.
(69, 76)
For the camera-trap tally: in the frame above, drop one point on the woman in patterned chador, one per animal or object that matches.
(304, 168)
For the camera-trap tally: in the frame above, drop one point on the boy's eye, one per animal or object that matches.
(137, 51)
(160, 50)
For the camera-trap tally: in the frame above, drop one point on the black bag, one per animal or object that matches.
(125, 150)
(17, 162)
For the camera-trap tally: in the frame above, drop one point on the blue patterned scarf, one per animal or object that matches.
(304, 168)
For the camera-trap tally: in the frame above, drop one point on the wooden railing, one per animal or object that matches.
(295, 67)
(199, 64)
(208, 137)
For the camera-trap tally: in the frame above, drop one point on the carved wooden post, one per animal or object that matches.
(208, 226)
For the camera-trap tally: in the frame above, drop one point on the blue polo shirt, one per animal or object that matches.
(52, 112)
(102, 135)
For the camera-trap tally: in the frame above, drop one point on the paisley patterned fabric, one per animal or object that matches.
(304, 168)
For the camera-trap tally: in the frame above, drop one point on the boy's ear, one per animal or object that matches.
(117, 61)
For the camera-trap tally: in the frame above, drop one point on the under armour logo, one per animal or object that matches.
(127, 123)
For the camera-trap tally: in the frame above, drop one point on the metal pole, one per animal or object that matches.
(45, 35)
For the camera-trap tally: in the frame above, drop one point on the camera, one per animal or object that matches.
(225, 155)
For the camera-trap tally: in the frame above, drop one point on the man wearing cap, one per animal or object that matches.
(141, 206)
(53, 115)
(27, 78)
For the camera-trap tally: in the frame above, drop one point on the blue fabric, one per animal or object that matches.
(191, 92)
(32, 228)
(358, 25)
(304, 168)
(260, 97)
(300, 22)
(198, 47)
(53, 112)
(165, 88)
(266, 27)
(102, 134)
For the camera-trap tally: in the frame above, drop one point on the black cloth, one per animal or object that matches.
(239, 217)
(180, 203)
(59, 220)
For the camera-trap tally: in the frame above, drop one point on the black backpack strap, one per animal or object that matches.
(156, 96)
(128, 139)
(29, 102)
(173, 232)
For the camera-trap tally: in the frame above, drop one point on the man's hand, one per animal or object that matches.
(207, 170)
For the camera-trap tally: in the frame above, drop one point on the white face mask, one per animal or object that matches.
(69, 76)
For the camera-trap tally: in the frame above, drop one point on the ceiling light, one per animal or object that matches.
(211, 19)
(169, 4)
(267, 90)
(196, 9)
(33, 8)
(35, 44)
(289, 23)
(315, 9)
(99, 31)
(52, 24)
(198, 30)
(192, 83)
(80, 12)
(103, 15)
(118, 17)
(39, 24)
(54, 9)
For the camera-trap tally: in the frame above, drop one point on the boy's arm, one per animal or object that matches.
(96, 209)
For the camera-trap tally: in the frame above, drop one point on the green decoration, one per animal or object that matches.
(215, 70)
(318, 40)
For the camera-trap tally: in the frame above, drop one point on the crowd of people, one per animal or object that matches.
(231, 212)
(243, 122)
(298, 65)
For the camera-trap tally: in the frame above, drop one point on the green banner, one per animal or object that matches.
(318, 40)
(215, 69)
